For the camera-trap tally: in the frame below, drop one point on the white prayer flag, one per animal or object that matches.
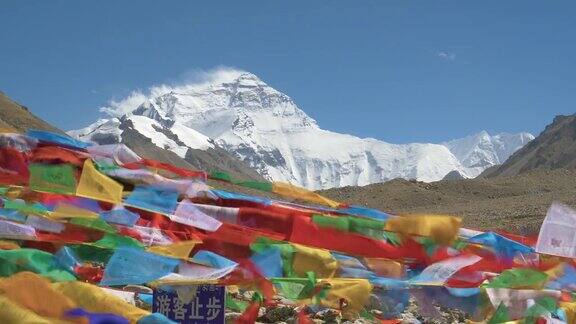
(558, 232)
(188, 214)
(439, 272)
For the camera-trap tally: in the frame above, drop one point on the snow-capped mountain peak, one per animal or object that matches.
(480, 151)
(265, 128)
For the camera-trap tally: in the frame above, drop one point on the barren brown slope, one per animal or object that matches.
(16, 117)
(516, 203)
(554, 148)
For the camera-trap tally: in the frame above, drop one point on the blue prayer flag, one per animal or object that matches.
(54, 138)
(130, 266)
(155, 199)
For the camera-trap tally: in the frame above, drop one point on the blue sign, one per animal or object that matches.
(205, 305)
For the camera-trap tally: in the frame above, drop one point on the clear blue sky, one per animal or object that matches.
(397, 70)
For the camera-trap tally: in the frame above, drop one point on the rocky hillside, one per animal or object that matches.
(554, 148)
(14, 116)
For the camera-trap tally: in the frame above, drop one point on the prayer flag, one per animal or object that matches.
(558, 232)
(58, 178)
(95, 185)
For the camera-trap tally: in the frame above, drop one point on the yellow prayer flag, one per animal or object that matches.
(37, 296)
(95, 185)
(8, 245)
(442, 229)
(555, 272)
(69, 211)
(93, 299)
(8, 130)
(319, 261)
(180, 250)
(354, 293)
(14, 192)
(288, 190)
(385, 267)
(11, 312)
(570, 310)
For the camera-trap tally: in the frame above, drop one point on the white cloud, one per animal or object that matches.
(194, 79)
(447, 56)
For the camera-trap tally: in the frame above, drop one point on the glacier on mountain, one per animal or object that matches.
(480, 151)
(265, 128)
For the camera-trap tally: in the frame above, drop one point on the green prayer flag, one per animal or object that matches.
(220, 175)
(430, 245)
(366, 226)
(58, 178)
(544, 305)
(294, 288)
(35, 209)
(459, 244)
(290, 290)
(113, 241)
(94, 223)
(549, 303)
(257, 297)
(392, 238)
(339, 223)
(263, 186)
(522, 278)
(367, 315)
(40, 262)
(234, 304)
(286, 252)
(501, 315)
(103, 166)
(92, 253)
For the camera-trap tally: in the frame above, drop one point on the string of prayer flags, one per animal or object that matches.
(101, 230)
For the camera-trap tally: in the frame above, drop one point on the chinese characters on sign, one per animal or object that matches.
(205, 306)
